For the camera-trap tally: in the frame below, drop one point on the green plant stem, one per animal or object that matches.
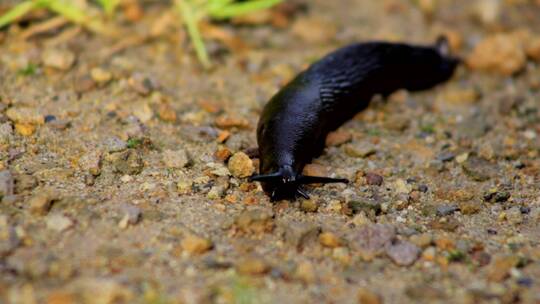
(18, 11)
(241, 8)
(191, 24)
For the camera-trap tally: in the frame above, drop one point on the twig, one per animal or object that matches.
(44, 26)
(66, 35)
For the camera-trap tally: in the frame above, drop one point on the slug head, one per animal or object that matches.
(432, 66)
(287, 184)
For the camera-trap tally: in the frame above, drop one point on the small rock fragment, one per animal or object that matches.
(175, 159)
(501, 53)
(500, 267)
(58, 222)
(447, 209)
(241, 165)
(422, 240)
(252, 266)
(100, 75)
(141, 84)
(228, 121)
(338, 138)
(305, 272)
(401, 186)
(25, 116)
(370, 240)
(314, 29)
(128, 162)
(6, 133)
(403, 253)
(328, 239)
(25, 129)
(9, 239)
(61, 59)
(478, 168)
(373, 179)
(366, 296)
(195, 245)
(114, 144)
(40, 203)
(223, 154)
(360, 151)
(132, 215)
(469, 207)
(184, 186)
(7, 183)
(309, 205)
(514, 216)
(166, 112)
(533, 48)
(91, 162)
(255, 221)
(299, 234)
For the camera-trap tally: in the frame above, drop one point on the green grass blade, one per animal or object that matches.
(18, 11)
(109, 6)
(241, 8)
(191, 24)
(76, 15)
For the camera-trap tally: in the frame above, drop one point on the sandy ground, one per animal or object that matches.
(116, 186)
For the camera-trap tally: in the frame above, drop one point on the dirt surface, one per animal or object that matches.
(116, 186)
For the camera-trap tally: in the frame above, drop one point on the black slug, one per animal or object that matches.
(294, 124)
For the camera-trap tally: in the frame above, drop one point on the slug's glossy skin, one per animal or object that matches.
(294, 124)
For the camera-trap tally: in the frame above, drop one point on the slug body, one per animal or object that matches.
(294, 124)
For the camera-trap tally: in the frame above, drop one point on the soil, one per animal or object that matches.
(116, 188)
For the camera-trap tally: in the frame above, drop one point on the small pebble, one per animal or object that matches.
(7, 183)
(195, 245)
(6, 133)
(100, 75)
(61, 59)
(469, 207)
(328, 239)
(115, 144)
(306, 272)
(40, 203)
(370, 240)
(91, 162)
(447, 209)
(366, 296)
(373, 179)
(255, 221)
(514, 216)
(299, 234)
(223, 154)
(338, 138)
(309, 205)
(403, 253)
(500, 267)
(58, 222)
(401, 186)
(314, 29)
(141, 84)
(49, 118)
(241, 165)
(25, 116)
(175, 158)
(252, 266)
(500, 53)
(360, 150)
